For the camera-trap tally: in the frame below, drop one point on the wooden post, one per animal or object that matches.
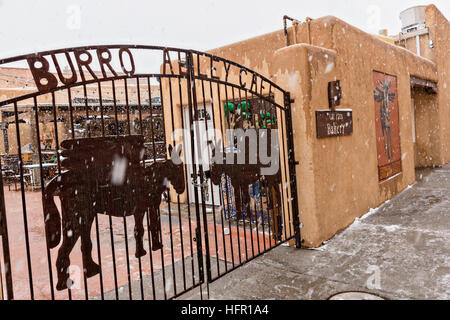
(275, 208)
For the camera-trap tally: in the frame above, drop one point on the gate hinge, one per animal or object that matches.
(295, 163)
(292, 100)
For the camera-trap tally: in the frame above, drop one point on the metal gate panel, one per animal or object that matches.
(85, 150)
(232, 240)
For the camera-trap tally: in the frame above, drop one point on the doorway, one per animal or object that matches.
(425, 117)
(203, 129)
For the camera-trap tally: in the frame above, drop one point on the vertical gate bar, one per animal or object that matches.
(49, 258)
(256, 217)
(281, 209)
(286, 163)
(169, 197)
(151, 115)
(138, 90)
(260, 184)
(69, 97)
(293, 176)
(268, 196)
(212, 188)
(282, 160)
(269, 217)
(24, 207)
(86, 111)
(186, 174)
(127, 108)
(273, 228)
(124, 218)
(2, 294)
(227, 191)
(55, 118)
(259, 193)
(216, 150)
(128, 257)
(97, 229)
(100, 100)
(86, 106)
(180, 223)
(88, 127)
(200, 165)
(116, 117)
(260, 187)
(154, 159)
(159, 210)
(241, 196)
(111, 233)
(178, 196)
(111, 230)
(282, 205)
(5, 243)
(192, 103)
(143, 165)
(246, 213)
(253, 185)
(209, 159)
(151, 255)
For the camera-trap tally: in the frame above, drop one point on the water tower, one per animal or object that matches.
(413, 19)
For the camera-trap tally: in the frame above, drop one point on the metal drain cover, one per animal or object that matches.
(355, 295)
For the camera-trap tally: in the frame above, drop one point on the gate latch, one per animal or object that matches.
(203, 186)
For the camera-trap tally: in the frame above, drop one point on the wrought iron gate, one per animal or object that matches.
(199, 151)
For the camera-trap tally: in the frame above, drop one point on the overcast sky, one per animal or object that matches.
(34, 25)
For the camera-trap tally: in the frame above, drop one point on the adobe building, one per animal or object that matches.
(395, 93)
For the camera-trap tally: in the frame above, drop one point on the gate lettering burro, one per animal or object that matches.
(199, 152)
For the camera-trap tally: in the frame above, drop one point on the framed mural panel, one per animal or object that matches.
(387, 125)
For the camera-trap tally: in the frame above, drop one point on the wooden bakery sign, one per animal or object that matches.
(331, 123)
